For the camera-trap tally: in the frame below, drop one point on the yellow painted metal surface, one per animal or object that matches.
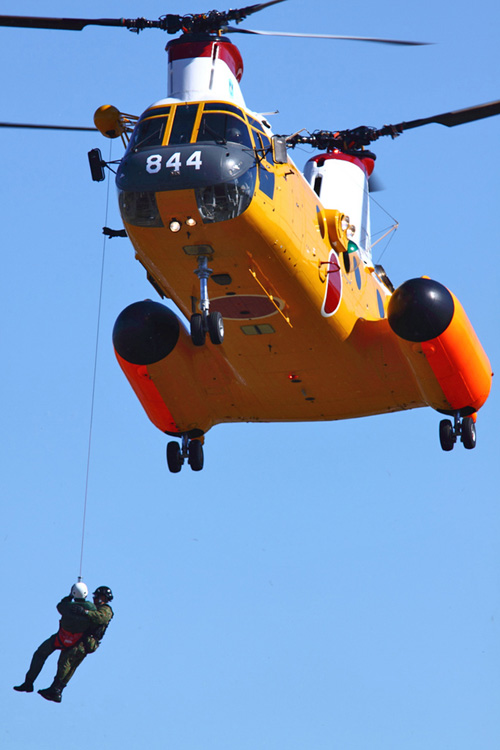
(310, 367)
(293, 349)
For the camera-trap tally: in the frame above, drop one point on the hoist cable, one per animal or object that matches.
(94, 378)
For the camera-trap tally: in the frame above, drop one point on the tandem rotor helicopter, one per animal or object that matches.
(289, 317)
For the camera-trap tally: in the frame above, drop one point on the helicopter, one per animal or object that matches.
(289, 317)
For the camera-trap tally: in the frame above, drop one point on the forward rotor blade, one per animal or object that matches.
(43, 127)
(234, 30)
(65, 24)
(137, 24)
(458, 117)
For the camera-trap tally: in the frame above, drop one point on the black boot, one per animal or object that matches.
(54, 692)
(26, 687)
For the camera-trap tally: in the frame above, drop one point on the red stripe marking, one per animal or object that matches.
(225, 51)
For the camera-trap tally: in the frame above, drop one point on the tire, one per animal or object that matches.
(174, 457)
(195, 455)
(468, 433)
(197, 330)
(446, 435)
(216, 328)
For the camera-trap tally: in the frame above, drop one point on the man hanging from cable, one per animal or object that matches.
(98, 620)
(72, 626)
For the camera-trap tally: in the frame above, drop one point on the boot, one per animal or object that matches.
(54, 692)
(26, 687)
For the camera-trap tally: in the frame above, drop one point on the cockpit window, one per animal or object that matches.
(149, 131)
(182, 128)
(221, 128)
(256, 124)
(222, 107)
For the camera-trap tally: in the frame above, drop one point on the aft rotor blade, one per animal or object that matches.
(234, 30)
(65, 24)
(458, 117)
(254, 8)
(43, 127)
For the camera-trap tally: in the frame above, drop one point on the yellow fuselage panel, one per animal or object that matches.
(290, 363)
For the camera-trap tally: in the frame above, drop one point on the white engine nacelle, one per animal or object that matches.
(341, 182)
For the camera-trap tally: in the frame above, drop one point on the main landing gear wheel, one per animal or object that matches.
(195, 455)
(197, 329)
(465, 429)
(446, 435)
(206, 322)
(192, 450)
(216, 328)
(468, 437)
(200, 324)
(174, 457)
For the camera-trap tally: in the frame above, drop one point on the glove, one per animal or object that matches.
(77, 609)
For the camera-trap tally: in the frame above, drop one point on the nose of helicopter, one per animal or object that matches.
(181, 167)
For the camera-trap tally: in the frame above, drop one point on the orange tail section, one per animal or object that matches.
(425, 312)
(460, 364)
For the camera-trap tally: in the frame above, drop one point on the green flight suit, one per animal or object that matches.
(71, 658)
(70, 623)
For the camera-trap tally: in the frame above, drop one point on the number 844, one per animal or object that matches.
(174, 162)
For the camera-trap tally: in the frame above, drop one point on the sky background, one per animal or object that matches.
(325, 586)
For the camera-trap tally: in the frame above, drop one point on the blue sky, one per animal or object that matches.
(318, 585)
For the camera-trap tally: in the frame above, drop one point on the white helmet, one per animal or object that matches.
(79, 590)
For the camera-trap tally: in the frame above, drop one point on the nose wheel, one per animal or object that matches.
(206, 321)
(192, 450)
(449, 432)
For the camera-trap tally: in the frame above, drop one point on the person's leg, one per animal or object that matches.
(39, 657)
(67, 663)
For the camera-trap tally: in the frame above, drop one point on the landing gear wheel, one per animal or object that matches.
(446, 435)
(195, 455)
(468, 437)
(197, 330)
(174, 457)
(216, 328)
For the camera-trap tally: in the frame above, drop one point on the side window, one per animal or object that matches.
(182, 128)
(263, 146)
(267, 148)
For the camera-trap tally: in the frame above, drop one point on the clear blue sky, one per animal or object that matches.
(326, 586)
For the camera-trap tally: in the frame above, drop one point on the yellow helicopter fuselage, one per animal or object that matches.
(225, 224)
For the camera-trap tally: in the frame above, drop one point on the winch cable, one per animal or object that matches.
(94, 378)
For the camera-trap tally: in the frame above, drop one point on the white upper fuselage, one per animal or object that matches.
(204, 70)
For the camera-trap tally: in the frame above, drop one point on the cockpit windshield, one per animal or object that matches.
(222, 127)
(150, 130)
(182, 127)
(177, 124)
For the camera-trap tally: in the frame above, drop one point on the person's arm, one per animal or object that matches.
(98, 617)
(62, 607)
(101, 616)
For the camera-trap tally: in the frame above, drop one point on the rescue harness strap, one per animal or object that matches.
(66, 639)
